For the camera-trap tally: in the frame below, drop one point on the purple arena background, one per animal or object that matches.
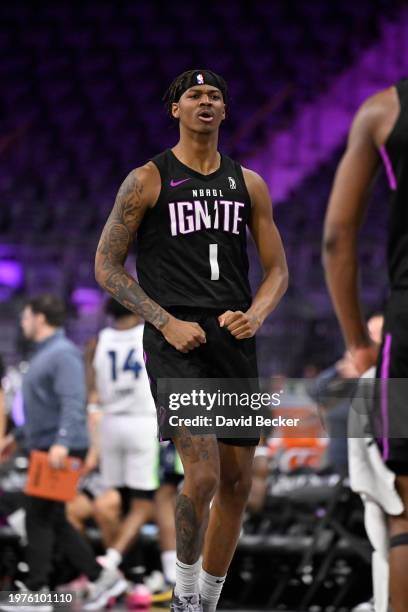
(81, 102)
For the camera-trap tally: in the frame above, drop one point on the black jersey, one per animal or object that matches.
(191, 246)
(395, 157)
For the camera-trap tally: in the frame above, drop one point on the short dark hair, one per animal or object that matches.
(51, 306)
(114, 309)
(183, 82)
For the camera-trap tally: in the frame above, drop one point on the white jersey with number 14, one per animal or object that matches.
(121, 378)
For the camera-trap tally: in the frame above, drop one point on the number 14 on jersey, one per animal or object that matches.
(130, 364)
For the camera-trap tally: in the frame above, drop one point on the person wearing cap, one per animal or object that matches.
(190, 207)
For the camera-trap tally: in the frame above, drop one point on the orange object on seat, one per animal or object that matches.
(50, 483)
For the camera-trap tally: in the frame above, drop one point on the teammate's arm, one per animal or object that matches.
(94, 412)
(344, 217)
(89, 354)
(138, 192)
(273, 260)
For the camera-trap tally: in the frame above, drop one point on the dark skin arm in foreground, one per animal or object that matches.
(370, 130)
(137, 194)
(345, 213)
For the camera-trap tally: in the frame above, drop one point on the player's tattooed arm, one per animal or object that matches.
(136, 194)
(272, 256)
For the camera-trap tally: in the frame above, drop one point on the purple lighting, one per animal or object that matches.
(11, 273)
(87, 299)
(17, 409)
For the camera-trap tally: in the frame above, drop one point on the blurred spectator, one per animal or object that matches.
(95, 502)
(171, 475)
(54, 394)
(260, 473)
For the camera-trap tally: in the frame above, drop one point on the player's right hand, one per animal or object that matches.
(346, 366)
(183, 335)
(364, 357)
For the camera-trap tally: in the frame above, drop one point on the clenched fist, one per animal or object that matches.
(364, 357)
(240, 324)
(183, 335)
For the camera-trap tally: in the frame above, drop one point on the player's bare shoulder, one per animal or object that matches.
(142, 186)
(257, 187)
(379, 113)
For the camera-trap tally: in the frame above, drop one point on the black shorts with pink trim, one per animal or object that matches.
(390, 415)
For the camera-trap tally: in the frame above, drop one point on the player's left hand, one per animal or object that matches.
(240, 324)
(57, 455)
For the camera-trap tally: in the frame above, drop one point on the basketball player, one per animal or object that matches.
(379, 132)
(190, 208)
(128, 442)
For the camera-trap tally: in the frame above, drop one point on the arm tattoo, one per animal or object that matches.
(113, 248)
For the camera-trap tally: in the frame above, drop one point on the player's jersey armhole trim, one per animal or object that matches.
(397, 121)
(244, 185)
(161, 185)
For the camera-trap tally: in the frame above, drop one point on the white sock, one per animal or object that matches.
(187, 577)
(112, 558)
(210, 590)
(168, 561)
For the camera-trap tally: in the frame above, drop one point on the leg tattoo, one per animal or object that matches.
(188, 531)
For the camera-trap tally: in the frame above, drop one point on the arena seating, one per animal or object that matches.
(307, 546)
(84, 85)
(82, 107)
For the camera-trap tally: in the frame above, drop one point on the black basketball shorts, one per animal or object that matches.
(391, 397)
(221, 357)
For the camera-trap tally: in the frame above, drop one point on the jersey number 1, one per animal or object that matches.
(215, 270)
